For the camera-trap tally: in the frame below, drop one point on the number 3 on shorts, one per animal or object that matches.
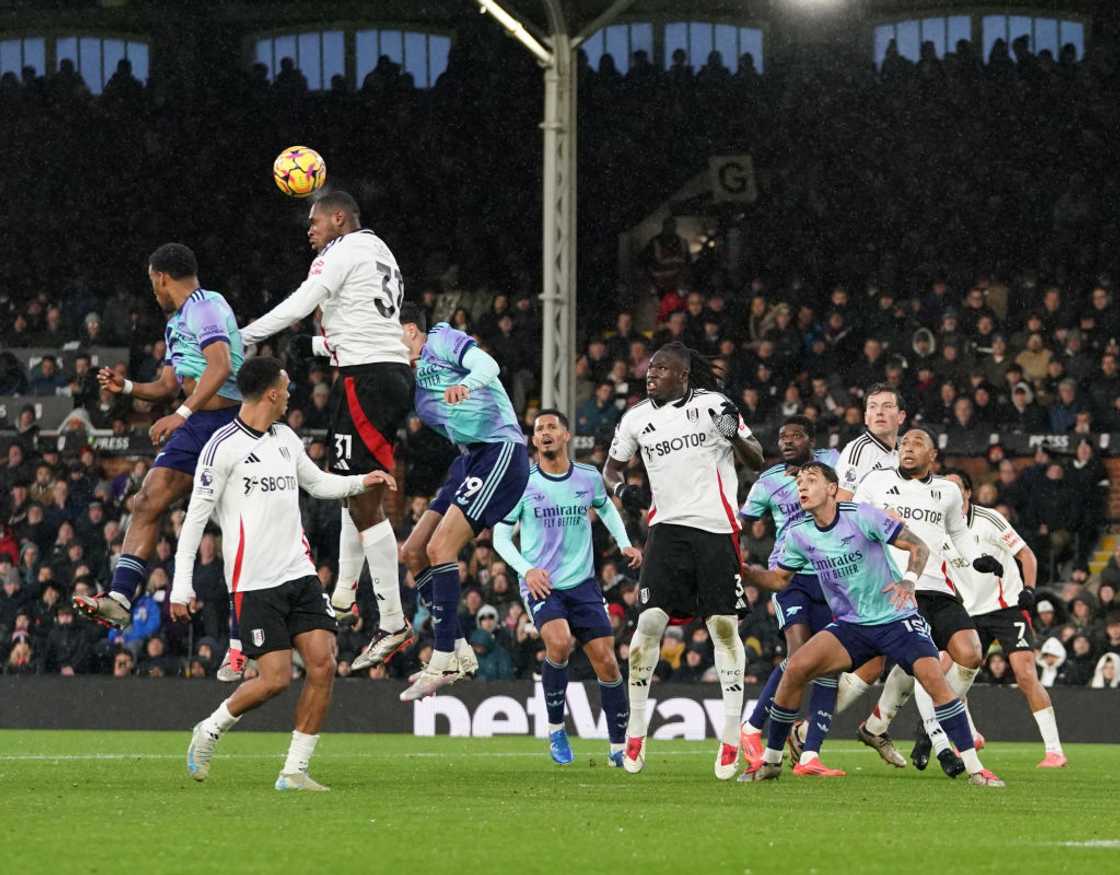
(468, 489)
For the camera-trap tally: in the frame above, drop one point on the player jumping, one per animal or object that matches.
(874, 608)
(557, 567)
(204, 354)
(1000, 607)
(459, 395)
(801, 608)
(931, 506)
(250, 475)
(688, 435)
(357, 283)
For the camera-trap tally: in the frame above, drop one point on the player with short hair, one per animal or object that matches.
(556, 563)
(688, 435)
(203, 357)
(849, 545)
(250, 475)
(932, 507)
(801, 608)
(1000, 607)
(356, 283)
(458, 395)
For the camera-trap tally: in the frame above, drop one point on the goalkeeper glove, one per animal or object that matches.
(726, 420)
(988, 565)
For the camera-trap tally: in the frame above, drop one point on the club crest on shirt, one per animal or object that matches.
(693, 414)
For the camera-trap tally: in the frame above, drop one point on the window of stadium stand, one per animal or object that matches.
(96, 57)
(945, 31)
(321, 55)
(699, 38)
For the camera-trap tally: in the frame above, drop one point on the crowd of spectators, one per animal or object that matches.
(979, 287)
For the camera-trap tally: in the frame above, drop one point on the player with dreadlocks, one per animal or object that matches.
(688, 435)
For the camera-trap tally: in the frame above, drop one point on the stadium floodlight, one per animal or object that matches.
(517, 30)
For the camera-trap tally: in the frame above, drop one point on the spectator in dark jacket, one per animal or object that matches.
(68, 648)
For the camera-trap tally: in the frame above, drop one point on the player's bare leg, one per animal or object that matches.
(821, 656)
(612, 694)
(558, 643)
(645, 650)
(378, 546)
(161, 488)
(949, 710)
(317, 648)
(1022, 665)
(453, 532)
(960, 664)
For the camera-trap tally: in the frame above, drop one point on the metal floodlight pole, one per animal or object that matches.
(558, 294)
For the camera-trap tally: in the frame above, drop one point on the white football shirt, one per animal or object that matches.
(357, 282)
(251, 481)
(862, 455)
(932, 509)
(691, 466)
(993, 534)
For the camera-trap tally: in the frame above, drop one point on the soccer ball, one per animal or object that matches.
(299, 171)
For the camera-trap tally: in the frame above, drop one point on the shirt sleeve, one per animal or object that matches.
(209, 483)
(298, 305)
(481, 366)
(957, 527)
(876, 525)
(757, 503)
(625, 442)
(207, 321)
(320, 484)
(503, 545)
(1009, 539)
(612, 519)
(792, 559)
(846, 469)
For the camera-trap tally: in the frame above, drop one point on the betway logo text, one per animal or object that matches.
(676, 717)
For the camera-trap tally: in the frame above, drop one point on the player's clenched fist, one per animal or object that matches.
(455, 394)
(108, 379)
(373, 478)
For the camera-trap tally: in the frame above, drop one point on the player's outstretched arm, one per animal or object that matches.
(296, 307)
(320, 484)
(163, 389)
(774, 581)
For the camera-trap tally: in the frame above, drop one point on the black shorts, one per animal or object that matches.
(1011, 627)
(688, 572)
(945, 616)
(271, 618)
(368, 406)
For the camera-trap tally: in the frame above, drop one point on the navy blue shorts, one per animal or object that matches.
(802, 602)
(905, 641)
(181, 452)
(582, 606)
(485, 483)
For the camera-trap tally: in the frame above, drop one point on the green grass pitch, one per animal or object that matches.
(121, 802)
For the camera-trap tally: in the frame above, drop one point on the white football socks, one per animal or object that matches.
(731, 664)
(645, 650)
(299, 752)
(1048, 727)
(220, 721)
(380, 547)
(350, 562)
(851, 687)
(896, 693)
(937, 736)
(960, 679)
